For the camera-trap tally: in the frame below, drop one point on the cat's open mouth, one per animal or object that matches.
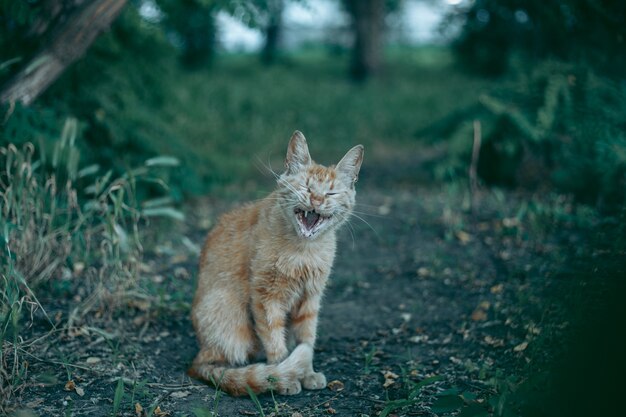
(310, 221)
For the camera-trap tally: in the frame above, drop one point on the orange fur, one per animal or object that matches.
(263, 270)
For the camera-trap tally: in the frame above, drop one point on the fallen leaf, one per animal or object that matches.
(479, 315)
(80, 391)
(497, 289)
(418, 338)
(463, 237)
(160, 413)
(423, 272)
(455, 360)
(335, 385)
(92, 359)
(138, 410)
(389, 374)
(521, 347)
(70, 385)
(495, 342)
(180, 394)
(331, 410)
(390, 378)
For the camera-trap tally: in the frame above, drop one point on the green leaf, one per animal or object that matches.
(469, 396)
(163, 212)
(474, 410)
(447, 403)
(415, 390)
(157, 202)
(163, 161)
(394, 405)
(255, 400)
(88, 170)
(119, 395)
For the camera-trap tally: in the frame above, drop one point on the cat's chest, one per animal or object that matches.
(305, 262)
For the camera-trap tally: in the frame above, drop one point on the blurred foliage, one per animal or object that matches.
(496, 32)
(558, 124)
(120, 75)
(556, 121)
(16, 17)
(134, 101)
(190, 25)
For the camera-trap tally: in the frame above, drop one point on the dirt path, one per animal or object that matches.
(422, 306)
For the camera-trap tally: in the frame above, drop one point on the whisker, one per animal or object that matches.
(350, 229)
(365, 222)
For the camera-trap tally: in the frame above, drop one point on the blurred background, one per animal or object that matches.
(117, 112)
(214, 82)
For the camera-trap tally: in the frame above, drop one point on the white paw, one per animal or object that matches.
(290, 388)
(316, 380)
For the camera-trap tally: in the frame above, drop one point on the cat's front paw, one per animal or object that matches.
(290, 388)
(316, 380)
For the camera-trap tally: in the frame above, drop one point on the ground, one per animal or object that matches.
(431, 308)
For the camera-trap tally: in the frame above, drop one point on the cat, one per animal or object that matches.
(263, 270)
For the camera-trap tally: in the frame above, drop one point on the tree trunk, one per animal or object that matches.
(68, 42)
(273, 31)
(368, 22)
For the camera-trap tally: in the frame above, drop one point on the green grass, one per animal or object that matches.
(226, 122)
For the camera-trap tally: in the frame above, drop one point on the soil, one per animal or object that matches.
(423, 291)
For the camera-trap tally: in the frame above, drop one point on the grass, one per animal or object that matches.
(61, 223)
(226, 123)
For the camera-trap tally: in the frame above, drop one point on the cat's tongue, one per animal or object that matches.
(310, 218)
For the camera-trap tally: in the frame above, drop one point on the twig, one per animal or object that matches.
(169, 386)
(334, 397)
(473, 176)
(84, 368)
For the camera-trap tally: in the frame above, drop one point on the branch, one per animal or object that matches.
(68, 43)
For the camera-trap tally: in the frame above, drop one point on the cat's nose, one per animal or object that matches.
(316, 200)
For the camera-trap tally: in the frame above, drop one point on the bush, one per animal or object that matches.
(560, 122)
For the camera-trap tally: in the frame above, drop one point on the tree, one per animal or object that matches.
(272, 28)
(367, 23)
(192, 22)
(70, 27)
(266, 16)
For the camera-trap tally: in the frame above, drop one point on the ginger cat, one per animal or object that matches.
(263, 270)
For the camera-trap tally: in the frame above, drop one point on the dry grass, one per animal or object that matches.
(59, 222)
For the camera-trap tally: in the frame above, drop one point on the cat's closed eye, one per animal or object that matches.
(329, 194)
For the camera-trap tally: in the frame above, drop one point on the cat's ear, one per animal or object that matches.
(297, 153)
(350, 164)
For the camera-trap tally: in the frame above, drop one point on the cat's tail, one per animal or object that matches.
(284, 378)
